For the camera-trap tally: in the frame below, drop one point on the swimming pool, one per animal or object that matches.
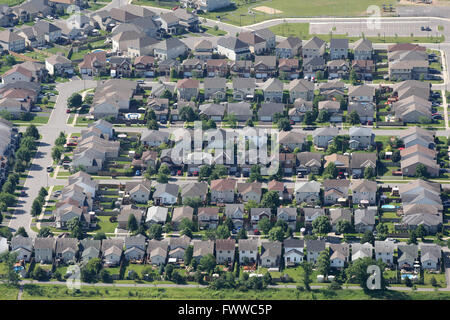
(132, 116)
(388, 207)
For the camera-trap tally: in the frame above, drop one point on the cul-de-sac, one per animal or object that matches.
(206, 149)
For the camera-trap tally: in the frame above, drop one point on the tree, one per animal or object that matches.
(306, 276)
(188, 253)
(271, 200)
(264, 225)
(412, 238)
(255, 174)
(36, 208)
(323, 116)
(323, 262)
(309, 118)
(43, 192)
(353, 77)
(10, 60)
(75, 100)
(433, 282)
(357, 272)
(90, 272)
(420, 232)
(32, 131)
(100, 236)
(276, 234)
(8, 187)
(321, 225)
(222, 232)
(39, 274)
(193, 202)
(395, 156)
(74, 226)
(284, 124)
(105, 275)
(421, 171)
(382, 229)
(163, 174)
(9, 259)
(155, 231)
(57, 152)
(368, 237)
(369, 173)
(330, 171)
(7, 199)
(242, 234)
(344, 226)
(132, 224)
(187, 114)
(353, 118)
(45, 232)
(61, 140)
(207, 263)
(22, 232)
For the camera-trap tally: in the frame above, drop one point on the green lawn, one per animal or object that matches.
(214, 32)
(8, 292)
(60, 292)
(301, 30)
(105, 225)
(36, 120)
(11, 3)
(289, 8)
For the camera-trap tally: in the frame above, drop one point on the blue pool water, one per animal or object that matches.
(388, 206)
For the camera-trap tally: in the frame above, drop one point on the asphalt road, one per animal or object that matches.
(38, 176)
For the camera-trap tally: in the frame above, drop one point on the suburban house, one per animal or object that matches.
(365, 219)
(222, 190)
(124, 216)
(365, 111)
(289, 47)
(289, 215)
(342, 162)
(292, 139)
(93, 64)
(170, 48)
(338, 49)
(208, 217)
(233, 48)
(299, 109)
(138, 191)
(135, 248)
(362, 49)
(361, 251)
(112, 251)
(44, 249)
(256, 44)
(407, 255)
(384, 250)
(243, 88)
(181, 213)
(66, 250)
(154, 138)
(58, 65)
(338, 69)
(293, 251)
(308, 191)
(249, 191)
(242, 110)
(430, 256)
(314, 47)
(360, 161)
(339, 254)
(335, 191)
(157, 252)
(236, 213)
(323, 136)
(301, 88)
(165, 194)
(225, 251)
(215, 89)
(202, 248)
(309, 162)
(273, 90)
(256, 214)
(364, 192)
(156, 215)
(187, 89)
(22, 246)
(333, 108)
(248, 251)
(270, 254)
(265, 67)
(313, 249)
(362, 93)
(269, 109)
(361, 137)
(339, 214)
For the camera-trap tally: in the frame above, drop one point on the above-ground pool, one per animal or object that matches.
(388, 207)
(132, 116)
(410, 276)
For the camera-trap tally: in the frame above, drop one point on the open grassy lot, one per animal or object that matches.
(11, 3)
(301, 30)
(60, 292)
(8, 292)
(288, 9)
(105, 225)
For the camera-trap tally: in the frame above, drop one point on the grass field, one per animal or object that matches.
(60, 292)
(11, 3)
(301, 30)
(8, 293)
(289, 8)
